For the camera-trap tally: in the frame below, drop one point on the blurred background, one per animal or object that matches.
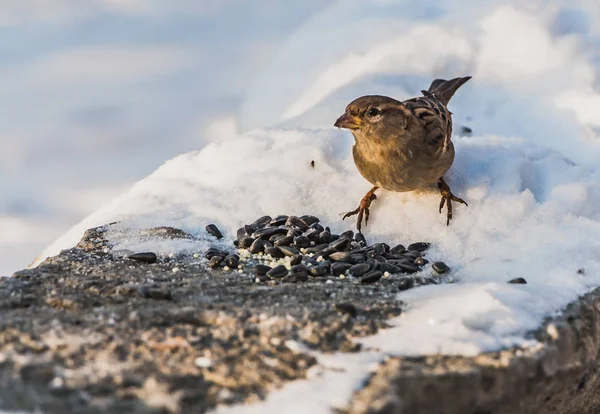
(95, 94)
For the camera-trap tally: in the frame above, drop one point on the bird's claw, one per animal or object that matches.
(362, 210)
(448, 198)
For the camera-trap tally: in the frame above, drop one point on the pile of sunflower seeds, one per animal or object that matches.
(292, 249)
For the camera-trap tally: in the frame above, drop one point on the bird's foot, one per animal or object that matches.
(448, 198)
(363, 209)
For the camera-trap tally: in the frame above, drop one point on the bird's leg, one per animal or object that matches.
(363, 208)
(448, 197)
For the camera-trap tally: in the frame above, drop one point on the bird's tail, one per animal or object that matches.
(444, 89)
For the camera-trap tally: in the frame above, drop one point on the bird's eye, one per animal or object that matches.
(373, 112)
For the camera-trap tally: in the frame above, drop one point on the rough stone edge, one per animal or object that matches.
(558, 375)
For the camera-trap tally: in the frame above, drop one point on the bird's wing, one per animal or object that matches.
(434, 117)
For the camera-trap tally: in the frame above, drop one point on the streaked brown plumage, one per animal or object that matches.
(403, 146)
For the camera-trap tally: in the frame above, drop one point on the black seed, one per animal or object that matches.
(360, 239)
(296, 259)
(348, 308)
(310, 262)
(301, 241)
(277, 272)
(249, 229)
(325, 252)
(288, 250)
(214, 252)
(144, 257)
(325, 236)
(297, 222)
(465, 131)
(388, 267)
(380, 248)
(440, 267)
(316, 249)
(341, 257)
(276, 237)
(359, 269)
(371, 277)
(581, 271)
(317, 271)
(312, 234)
(369, 254)
(279, 220)
(325, 264)
(340, 244)
(372, 263)
(246, 242)
(261, 222)
(241, 233)
(299, 268)
(236, 243)
(420, 246)
(518, 281)
(215, 261)
(390, 256)
(406, 284)
(412, 254)
(267, 232)
(317, 227)
(260, 270)
(419, 261)
(357, 258)
(284, 241)
(380, 258)
(339, 268)
(294, 233)
(274, 252)
(295, 278)
(214, 231)
(397, 250)
(261, 278)
(347, 235)
(232, 261)
(257, 246)
(407, 268)
(310, 220)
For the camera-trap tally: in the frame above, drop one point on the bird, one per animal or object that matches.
(403, 146)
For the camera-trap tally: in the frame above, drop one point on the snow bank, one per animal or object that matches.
(529, 172)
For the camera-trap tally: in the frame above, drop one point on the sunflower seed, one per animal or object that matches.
(339, 268)
(420, 246)
(406, 284)
(214, 231)
(341, 257)
(232, 261)
(301, 241)
(277, 272)
(371, 277)
(440, 267)
(257, 246)
(274, 252)
(279, 220)
(297, 222)
(359, 269)
(260, 270)
(261, 222)
(397, 250)
(288, 250)
(215, 261)
(144, 257)
(325, 236)
(317, 271)
(296, 259)
(309, 219)
(340, 244)
(360, 239)
(284, 241)
(518, 281)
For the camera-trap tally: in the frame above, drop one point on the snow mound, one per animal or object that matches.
(529, 172)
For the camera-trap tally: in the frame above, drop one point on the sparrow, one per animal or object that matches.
(403, 146)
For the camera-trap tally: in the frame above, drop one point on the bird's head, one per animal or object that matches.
(374, 116)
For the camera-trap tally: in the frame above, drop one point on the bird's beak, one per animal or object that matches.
(348, 121)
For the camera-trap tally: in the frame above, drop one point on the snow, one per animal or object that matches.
(529, 172)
